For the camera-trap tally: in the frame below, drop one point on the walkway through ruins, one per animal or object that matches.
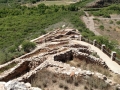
(111, 64)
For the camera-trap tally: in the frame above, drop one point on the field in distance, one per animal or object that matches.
(58, 2)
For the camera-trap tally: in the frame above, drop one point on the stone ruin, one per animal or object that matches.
(53, 50)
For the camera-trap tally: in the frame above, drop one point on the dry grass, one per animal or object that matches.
(89, 66)
(48, 80)
(96, 83)
(95, 68)
(116, 78)
(111, 28)
(52, 81)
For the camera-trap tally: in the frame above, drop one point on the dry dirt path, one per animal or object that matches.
(88, 20)
(112, 18)
(111, 64)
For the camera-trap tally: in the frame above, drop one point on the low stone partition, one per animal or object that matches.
(76, 46)
(58, 44)
(9, 64)
(36, 61)
(60, 40)
(16, 71)
(85, 50)
(21, 68)
(89, 58)
(36, 52)
(82, 54)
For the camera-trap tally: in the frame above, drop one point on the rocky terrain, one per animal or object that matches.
(51, 59)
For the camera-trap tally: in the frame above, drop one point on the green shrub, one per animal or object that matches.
(111, 22)
(118, 22)
(101, 27)
(28, 46)
(96, 19)
(106, 15)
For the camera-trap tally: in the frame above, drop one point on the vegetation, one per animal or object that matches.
(118, 22)
(106, 11)
(101, 27)
(20, 23)
(28, 46)
(111, 22)
(79, 83)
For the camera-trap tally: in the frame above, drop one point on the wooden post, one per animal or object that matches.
(94, 42)
(80, 37)
(113, 55)
(102, 47)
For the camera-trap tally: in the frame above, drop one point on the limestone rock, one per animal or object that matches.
(28, 85)
(2, 86)
(118, 87)
(35, 88)
(15, 85)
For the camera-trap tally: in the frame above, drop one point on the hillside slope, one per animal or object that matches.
(62, 60)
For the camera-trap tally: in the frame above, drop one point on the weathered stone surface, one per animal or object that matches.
(35, 88)
(118, 87)
(15, 85)
(2, 86)
(28, 85)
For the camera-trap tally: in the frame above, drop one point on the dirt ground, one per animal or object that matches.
(110, 27)
(57, 2)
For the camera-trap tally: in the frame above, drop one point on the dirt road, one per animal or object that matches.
(88, 20)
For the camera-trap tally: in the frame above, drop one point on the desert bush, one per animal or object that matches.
(85, 87)
(111, 22)
(69, 80)
(66, 88)
(98, 83)
(106, 15)
(101, 27)
(54, 81)
(76, 83)
(95, 54)
(96, 19)
(118, 22)
(28, 46)
(61, 85)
